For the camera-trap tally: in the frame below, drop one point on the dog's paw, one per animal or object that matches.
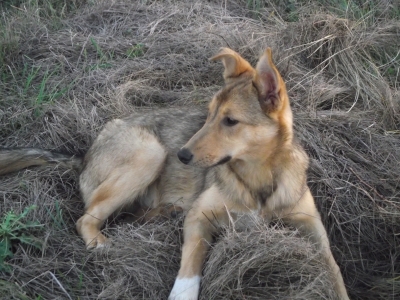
(185, 289)
(175, 211)
(99, 242)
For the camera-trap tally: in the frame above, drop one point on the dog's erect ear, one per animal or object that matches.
(234, 64)
(269, 83)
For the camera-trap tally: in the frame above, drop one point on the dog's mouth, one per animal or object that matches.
(223, 161)
(187, 157)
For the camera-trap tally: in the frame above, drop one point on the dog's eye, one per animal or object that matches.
(230, 122)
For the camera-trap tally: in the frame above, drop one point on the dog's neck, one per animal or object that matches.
(263, 171)
(245, 184)
(252, 174)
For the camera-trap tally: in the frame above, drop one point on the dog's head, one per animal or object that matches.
(249, 119)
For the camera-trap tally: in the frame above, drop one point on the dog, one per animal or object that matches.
(238, 157)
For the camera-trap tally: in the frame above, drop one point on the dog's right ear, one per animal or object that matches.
(234, 64)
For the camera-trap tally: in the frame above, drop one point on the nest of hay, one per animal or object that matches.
(65, 72)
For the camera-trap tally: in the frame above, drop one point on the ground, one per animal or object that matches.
(67, 67)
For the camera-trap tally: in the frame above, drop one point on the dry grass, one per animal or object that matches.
(64, 73)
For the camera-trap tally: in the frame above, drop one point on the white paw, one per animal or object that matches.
(185, 289)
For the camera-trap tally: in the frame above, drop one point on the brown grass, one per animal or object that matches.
(65, 73)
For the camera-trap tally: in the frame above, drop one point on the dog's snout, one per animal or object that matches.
(185, 155)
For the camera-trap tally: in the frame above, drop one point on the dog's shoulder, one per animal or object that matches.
(299, 155)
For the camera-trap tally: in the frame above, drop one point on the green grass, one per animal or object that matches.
(135, 51)
(47, 94)
(15, 229)
(103, 57)
(57, 217)
(254, 5)
(48, 8)
(12, 288)
(29, 76)
(43, 13)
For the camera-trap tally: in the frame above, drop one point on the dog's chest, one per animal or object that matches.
(241, 193)
(262, 195)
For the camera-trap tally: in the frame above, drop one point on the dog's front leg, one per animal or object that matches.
(207, 214)
(308, 220)
(197, 236)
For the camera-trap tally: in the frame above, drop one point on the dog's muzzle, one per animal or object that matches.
(185, 155)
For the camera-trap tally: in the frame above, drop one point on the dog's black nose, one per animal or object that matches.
(185, 155)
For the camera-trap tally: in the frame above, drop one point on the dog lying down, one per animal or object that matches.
(238, 157)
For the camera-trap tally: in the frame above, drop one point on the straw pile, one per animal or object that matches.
(67, 67)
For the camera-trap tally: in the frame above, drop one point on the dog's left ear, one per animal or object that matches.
(268, 83)
(234, 64)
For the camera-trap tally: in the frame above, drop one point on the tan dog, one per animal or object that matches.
(240, 158)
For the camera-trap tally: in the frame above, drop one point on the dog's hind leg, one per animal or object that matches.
(114, 193)
(129, 173)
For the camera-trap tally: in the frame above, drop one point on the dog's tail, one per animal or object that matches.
(16, 159)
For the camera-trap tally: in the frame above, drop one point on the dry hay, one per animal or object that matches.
(110, 59)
